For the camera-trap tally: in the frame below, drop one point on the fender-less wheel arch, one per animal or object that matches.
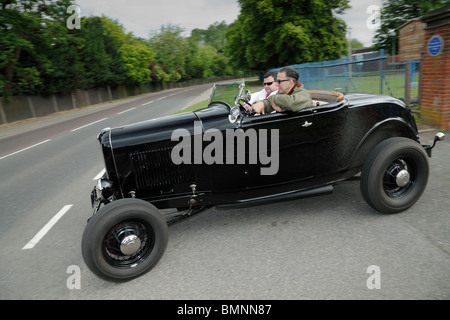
(389, 128)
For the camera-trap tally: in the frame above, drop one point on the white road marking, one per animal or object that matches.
(88, 124)
(127, 110)
(34, 145)
(101, 173)
(147, 103)
(47, 227)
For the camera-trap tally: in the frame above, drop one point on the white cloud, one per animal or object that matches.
(143, 16)
(357, 17)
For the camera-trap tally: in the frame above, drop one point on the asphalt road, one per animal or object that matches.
(328, 247)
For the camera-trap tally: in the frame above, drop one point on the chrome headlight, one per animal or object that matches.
(235, 112)
(105, 188)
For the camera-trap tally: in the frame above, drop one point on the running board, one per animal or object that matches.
(278, 197)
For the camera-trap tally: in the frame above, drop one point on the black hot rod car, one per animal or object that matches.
(225, 156)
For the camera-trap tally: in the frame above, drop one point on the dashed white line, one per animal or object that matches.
(88, 124)
(100, 174)
(147, 103)
(47, 227)
(34, 145)
(127, 110)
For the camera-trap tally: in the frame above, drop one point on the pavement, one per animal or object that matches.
(202, 97)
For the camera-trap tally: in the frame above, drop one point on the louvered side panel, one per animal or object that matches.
(155, 169)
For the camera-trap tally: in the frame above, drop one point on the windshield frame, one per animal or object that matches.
(221, 92)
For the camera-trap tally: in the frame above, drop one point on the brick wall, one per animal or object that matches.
(435, 80)
(411, 40)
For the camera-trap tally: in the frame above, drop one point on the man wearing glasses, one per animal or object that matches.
(291, 95)
(270, 88)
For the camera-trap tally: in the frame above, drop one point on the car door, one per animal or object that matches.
(334, 133)
(294, 151)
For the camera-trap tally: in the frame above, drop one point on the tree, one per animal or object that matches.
(394, 13)
(100, 55)
(32, 34)
(40, 54)
(96, 69)
(214, 35)
(171, 49)
(206, 57)
(137, 57)
(355, 43)
(206, 62)
(273, 33)
(133, 55)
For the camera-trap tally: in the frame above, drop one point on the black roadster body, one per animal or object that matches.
(226, 157)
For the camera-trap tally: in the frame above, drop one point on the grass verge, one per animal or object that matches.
(252, 84)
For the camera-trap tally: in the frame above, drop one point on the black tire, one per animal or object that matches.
(125, 239)
(381, 183)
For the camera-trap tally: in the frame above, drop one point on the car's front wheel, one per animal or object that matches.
(125, 239)
(394, 175)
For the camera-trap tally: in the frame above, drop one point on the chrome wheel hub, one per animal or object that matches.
(402, 178)
(130, 244)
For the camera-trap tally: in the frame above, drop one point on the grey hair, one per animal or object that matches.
(291, 73)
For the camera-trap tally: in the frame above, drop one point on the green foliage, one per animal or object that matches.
(21, 36)
(171, 49)
(394, 13)
(355, 43)
(272, 33)
(214, 35)
(128, 56)
(198, 56)
(206, 61)
(41, 55)
(207, 47)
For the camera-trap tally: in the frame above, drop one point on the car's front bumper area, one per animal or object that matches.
(438, 137)
(102, 193)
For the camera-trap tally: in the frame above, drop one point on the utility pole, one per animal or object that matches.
(350, 52)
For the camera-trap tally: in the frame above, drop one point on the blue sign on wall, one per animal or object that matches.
(435, 45)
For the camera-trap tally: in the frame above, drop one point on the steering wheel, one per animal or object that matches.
(245, 111)
(245, 102)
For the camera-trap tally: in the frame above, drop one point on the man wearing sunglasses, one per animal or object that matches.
(270, 87)
(291, 95)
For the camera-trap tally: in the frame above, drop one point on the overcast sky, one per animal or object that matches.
(143, 16)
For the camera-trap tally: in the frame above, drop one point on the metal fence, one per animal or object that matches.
(372, 72)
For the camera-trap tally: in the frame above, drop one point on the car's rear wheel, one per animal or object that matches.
(125, 239)
(394, 175)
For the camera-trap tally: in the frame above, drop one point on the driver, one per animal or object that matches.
(291, 95)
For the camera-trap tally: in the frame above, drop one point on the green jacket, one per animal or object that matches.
(298, 100)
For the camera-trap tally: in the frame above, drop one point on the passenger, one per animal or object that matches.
(270, 88)
(291, 95)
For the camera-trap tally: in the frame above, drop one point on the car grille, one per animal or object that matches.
(155, 169)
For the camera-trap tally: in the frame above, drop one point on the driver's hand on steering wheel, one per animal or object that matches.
(247, 107)
(258, 107)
